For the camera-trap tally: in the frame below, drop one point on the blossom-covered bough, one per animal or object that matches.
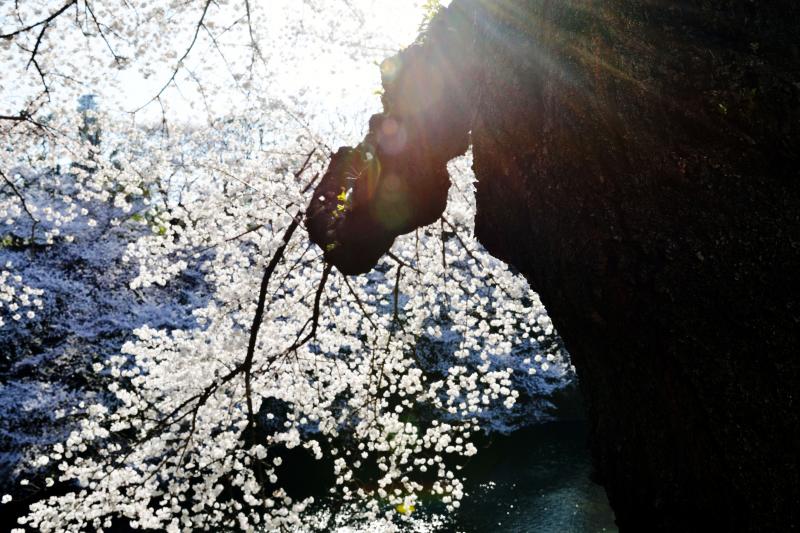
(374, 386)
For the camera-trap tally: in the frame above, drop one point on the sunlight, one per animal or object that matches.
(399, 20)
(341, 79)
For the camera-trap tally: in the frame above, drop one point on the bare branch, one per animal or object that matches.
(253, 41)
(314, 320)
(358, 301)
(224, 59)
(303, 168)
(259, 314)
(44, 21)
(26, 116)
(396, 294)
(403, 263)
(444, 250)
(262, 297)
(317, 298)
(22, 117)
(117, 59)
(36, 46)
(180, 61)
(24, 203)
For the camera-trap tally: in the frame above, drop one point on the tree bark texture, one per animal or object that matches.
(638, 162)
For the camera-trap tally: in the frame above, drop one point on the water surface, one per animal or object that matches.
(535, 480)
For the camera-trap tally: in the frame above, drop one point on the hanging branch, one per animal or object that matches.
(19, 195)
(396, 293)
(470, 253)
(460, 240)
(317, 298)
(44, 21)
(253, 41)
(403, 263)
(119, 60)
(262, 298)
(314, 320)
(358, 302)
(259, 315)
(444, 252)
(171, 79)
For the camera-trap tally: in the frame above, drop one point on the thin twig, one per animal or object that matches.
(117, 59)
(314, 320)
(180, 61)
(45, 21)
(358, 301)
(403, 263)
(253, 41)
(24, 204)
(444, 252)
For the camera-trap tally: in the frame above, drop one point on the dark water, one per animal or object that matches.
(535, 480)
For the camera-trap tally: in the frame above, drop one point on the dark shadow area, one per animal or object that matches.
(535, 480)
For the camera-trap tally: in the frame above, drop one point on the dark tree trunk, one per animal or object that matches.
(638, 162)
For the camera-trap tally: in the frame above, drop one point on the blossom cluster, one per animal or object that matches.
(382, 382)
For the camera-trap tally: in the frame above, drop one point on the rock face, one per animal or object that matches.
(638, 162)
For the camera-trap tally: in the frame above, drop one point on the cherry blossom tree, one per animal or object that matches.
(211, 125)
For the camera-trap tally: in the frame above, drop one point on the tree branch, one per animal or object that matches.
(403, 263)
(180, 61)
(358, 301)
(24, 203)
(259, 315)
(396, 293)
(44, 21)
(117, 59)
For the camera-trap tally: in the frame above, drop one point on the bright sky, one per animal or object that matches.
(339, 80)
(321, 62)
